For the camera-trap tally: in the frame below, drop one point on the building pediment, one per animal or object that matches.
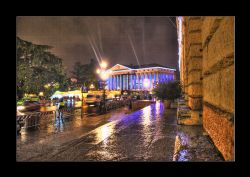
(119, 67)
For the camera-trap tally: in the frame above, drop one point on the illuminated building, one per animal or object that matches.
(131, 77)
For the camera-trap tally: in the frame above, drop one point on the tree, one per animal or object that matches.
(168, 91)
(36, 67)
(91, 72)
(79, 72)
(85, 73)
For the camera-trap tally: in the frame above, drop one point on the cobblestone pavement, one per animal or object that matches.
(149, 134)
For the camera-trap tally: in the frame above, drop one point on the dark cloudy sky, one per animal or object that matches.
(153, 38)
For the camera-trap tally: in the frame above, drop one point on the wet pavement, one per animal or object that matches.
(53, 132)
(149, 134)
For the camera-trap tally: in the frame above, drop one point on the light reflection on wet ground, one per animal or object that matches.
(53, 133)
(149, 134)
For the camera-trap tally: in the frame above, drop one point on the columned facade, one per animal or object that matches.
(126, 78)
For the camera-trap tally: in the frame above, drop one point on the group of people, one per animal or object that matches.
(64, 103)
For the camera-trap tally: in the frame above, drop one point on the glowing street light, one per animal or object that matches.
(98, 71)
(104, 75)
(103, 65)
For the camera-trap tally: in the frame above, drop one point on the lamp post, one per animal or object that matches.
(82, 94)
(104, 75)
(83, 90)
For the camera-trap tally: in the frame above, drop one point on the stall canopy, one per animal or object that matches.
(59, 94)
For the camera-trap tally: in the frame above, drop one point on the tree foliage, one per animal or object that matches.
(36, 66)
(168, 91)
(85, 73)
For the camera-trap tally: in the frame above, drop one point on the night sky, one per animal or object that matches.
(154, 38)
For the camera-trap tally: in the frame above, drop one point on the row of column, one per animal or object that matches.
(135, 81)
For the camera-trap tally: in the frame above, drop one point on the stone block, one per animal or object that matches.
(218, 89)
(194, 37)
(221, 44)
(221, 131)
(194, 24)
(194, 17)
(194, 76)
(209, 26)
(211, 88)
(227, 89)
(205, 59)
(195, 118)
(195, 50)
(195, 89)
(195, 103)
(194, 63)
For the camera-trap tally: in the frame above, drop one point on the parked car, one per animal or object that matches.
(109, 97)
(29, 105)
(117, 97)
(93, 99)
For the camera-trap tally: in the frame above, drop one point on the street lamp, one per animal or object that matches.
(82, 94)
(98, 71)
(104, 75)
(103, 65)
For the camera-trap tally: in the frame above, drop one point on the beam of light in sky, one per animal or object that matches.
(100, 36)
(110, 35)
(94, 50)
(172, 22)
(132, 45)
(93, 45)
(96, 47)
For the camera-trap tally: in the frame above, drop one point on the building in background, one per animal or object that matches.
(135, 78)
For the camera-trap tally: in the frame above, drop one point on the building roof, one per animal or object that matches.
(146, 66)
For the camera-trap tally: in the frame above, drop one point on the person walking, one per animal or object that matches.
(60, 108)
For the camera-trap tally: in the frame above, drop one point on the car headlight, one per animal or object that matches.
(19, 108)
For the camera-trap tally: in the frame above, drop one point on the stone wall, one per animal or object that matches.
(207, 72)
(218, 82)
(193, 67)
